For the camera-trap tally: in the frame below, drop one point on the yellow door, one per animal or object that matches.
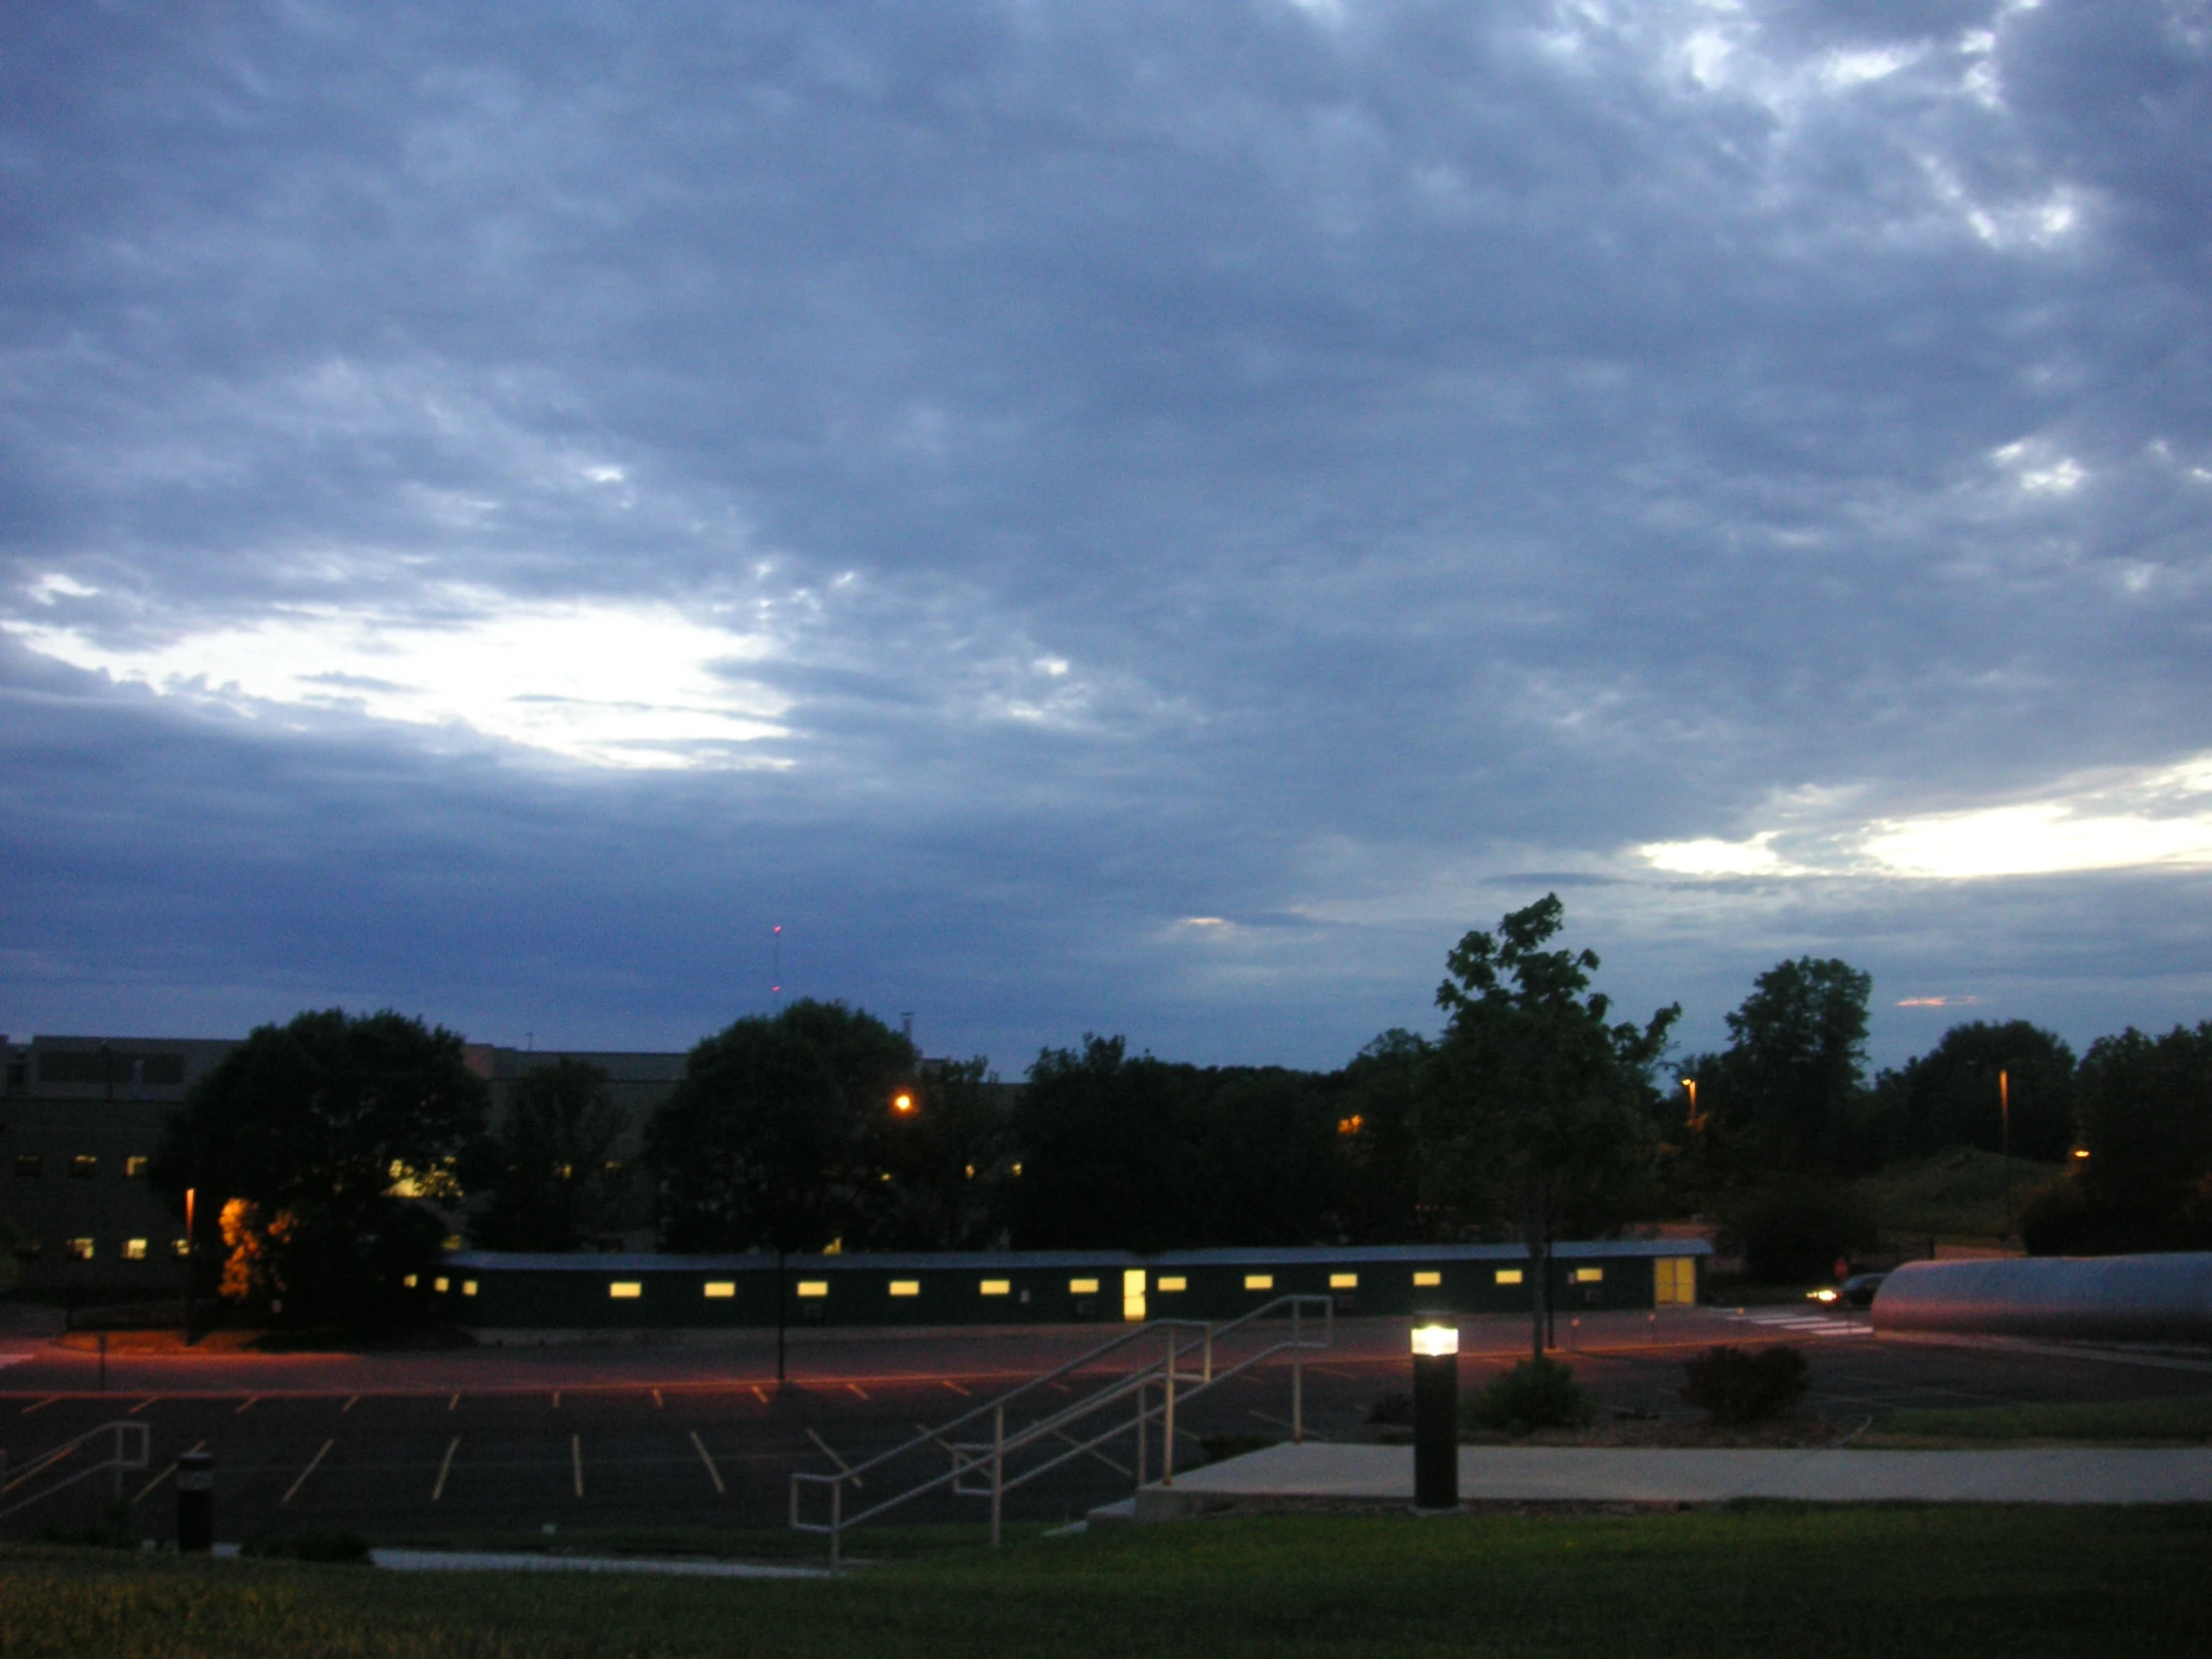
(1132, 1295)
(1675, 1281)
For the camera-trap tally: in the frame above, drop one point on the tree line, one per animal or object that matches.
(342, 1146)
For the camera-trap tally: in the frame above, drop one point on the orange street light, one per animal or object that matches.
(902, 1103)
(1697, 1123)
(2004, 1114)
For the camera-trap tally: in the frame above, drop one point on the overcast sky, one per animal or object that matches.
(1134, 518)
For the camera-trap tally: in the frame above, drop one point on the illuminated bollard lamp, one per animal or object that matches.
(196, 1502)
(1435, 1417)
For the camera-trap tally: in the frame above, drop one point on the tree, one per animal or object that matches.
(2146, 1127)
(1107, 1150)
(1541, 1111)
(551, 1184)
(1375, 1101)
(946, 1157)
(776, 1134)
(1790, 1082)
(1952, 1096)
(334, 1134)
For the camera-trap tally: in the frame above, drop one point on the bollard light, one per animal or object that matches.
(1435, 1417)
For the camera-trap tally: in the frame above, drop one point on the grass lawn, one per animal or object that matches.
(2186, 1420)
(1773, 1583)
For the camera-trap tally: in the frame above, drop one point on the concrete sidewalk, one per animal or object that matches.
(1605, 1475)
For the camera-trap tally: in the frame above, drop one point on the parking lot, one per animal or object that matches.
(469, 1443)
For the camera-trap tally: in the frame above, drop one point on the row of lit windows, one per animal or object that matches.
(132, 1250)
(630, 1290)
(83, 1167)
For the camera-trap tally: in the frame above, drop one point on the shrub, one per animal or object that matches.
(1394, 1409)
(1796, 1232)
(1537, 1393)
(1735, 1387)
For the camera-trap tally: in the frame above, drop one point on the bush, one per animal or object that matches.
(1537, 1393)
(1735, 1387)
(308, 1547)
(1793, 1232)
(1392, 1409)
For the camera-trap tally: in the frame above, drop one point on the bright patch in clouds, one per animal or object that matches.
(2157, 817)
(609, 684)
(1717, 857)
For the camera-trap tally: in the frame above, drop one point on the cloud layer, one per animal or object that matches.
(1146, 518)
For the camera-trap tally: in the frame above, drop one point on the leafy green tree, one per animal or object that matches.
(1541, 1111)
(1107, 1151)
(2146, 1125)
(776, 1134)
(338, 1131)
(1790, 1087)
(1375, 1101)
(947, 1161)
(1952, 1095)
(552, 1186)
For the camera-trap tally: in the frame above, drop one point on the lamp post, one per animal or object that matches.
(2004, 1114)
(1435, 1417)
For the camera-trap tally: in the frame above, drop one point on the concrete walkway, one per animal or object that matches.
(1606, 1474)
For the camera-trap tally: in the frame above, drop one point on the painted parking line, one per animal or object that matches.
(760, 1393)
(41, 1406)
(713, 1474)
(445, 1467)
(843, 1465)
(292, 1491)
(351, 1400)
(143, 1404)
(576, 1461)
(453, 1404)
(248, 1406)
(657, 1402)
(955, 1387)
(556, 1400)
(196, 1445)
(856, 1388)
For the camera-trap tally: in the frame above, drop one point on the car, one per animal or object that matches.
(1855, 1292)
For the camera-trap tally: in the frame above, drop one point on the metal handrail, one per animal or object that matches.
(118, 1460)
(1168, 1371)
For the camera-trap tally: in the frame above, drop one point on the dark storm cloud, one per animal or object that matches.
(1298, 467)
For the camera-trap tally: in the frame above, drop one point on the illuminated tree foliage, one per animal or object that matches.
(348, 1128)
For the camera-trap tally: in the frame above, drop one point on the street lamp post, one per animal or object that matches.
(2004, 1114)
(1435, 1417)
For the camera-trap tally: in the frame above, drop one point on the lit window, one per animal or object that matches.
(134, 1250)
(998, 1287)
(26, 1165)
(1343, 1281)
(614, 1168)
(621, 1290)
(720, 1289)
(1017, 1167)
(1083, 1286)
(181, 1246)
(1589, 1276)
(79, 1249)
(1509, 1276)
(452, 1241)
(905, 1287)
(84, 1165)
(1174, 1281)
(1428, 1280)
(814, 1287)
(468, 1287)
(1259, 1281)
(440, 1286)
(410, 1281)
(1351, 1125)
(134, 1169)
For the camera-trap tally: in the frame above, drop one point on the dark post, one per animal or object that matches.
(196, 1502)
(778, 1315)
(1436, 1416)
